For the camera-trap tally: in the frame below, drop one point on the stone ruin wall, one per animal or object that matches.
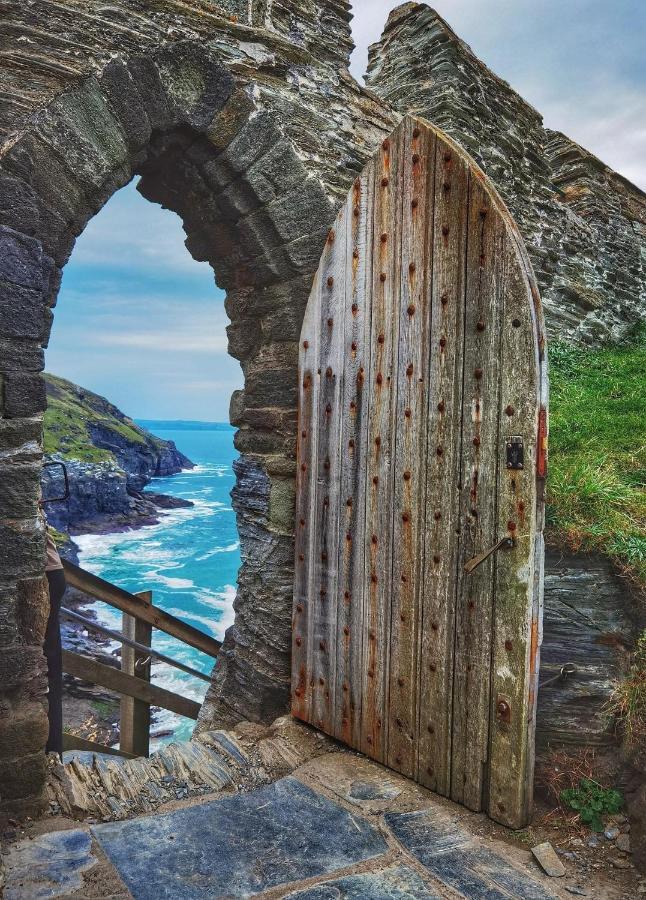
(242, 118)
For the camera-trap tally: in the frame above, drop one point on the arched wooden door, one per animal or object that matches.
(421, 445)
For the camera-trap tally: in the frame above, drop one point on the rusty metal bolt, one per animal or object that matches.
(298, 642)
(411, 267)
(380, 338)
(508, 645)
(328, 408)
(415, 158)
(384, 182)
(355, 254)
(447, 157)
(382, 277)
(356, 212)
(353, 346)
(303, 467)
(476, 442)
(503, 709)
(437, 515)
(322, 646)
(385, 144)
(433, 668)
(416, 132)
(301, 557)
(511, 526)
(384, 237)
(406, 476)
(306, 344)
(444, 299)
(445, 230)
(331, 236)
(414, 203)
(375, 479)
(299, 607)
(510, 410)
(442, 342)
(330, 281)
(354, 308)
(380, 378)
(328, 372)
(400, 681)
(478, 374)
(411, 309)
(346, 630)
(404, 579)
(407, 413)
(515, 323)
(405, 517)
(480, 325)
(378, 441)
(330, 322)
(434, 626)
(439, 451)
(437, 559)
(373, 578)
(302, 522)
(347, 595)
(440, 406)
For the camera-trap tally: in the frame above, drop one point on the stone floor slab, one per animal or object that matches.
(393, 883)
(239, 845)
(457, 860)
(50, 865)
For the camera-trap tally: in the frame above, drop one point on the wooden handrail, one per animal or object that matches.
(97, 673)
(109, 593)
(73, 742)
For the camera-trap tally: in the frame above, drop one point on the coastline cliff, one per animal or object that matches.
(109, 460)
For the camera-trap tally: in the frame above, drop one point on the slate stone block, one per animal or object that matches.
(50, 865)
(238, 846)
(22, 260)
(451, 855)
(24, 395)
(395, 883)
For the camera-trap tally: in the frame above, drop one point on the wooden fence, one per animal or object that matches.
(132, 681)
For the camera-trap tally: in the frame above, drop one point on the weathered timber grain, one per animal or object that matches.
(444, 398)
(436, 357)
(383, 297)
(134, 716)
(130, 603)
(478, 520)
(98, 673)
(354, 452)
(409, 387)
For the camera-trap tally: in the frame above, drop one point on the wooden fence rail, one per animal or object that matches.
(132, 682)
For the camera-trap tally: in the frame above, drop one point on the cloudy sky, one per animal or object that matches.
(142, 323)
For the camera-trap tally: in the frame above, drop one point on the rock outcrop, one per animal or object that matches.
(109, 460)
(584, 225)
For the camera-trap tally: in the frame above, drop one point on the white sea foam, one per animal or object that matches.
(176, 583)
(230, 548)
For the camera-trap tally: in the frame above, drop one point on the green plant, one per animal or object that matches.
(592, 801)
(628, 702)
(595, 494)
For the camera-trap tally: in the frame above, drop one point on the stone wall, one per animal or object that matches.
(242, 118)
(584, 225)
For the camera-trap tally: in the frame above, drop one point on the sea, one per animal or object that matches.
(189, 560)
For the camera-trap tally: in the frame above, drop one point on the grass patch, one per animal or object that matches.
(595, 497)
(70, 413)
(628, 702)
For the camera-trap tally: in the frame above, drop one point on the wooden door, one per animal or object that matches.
(421, 444)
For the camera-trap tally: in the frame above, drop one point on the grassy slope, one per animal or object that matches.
(596, 497)
(69, 409)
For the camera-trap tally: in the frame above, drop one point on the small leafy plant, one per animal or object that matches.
(592, 802)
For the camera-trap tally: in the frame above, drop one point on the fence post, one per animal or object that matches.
(134, 724)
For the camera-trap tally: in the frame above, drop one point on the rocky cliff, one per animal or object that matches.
(109, 460)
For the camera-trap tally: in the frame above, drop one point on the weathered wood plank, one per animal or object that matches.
(354, 435)
(129, 603)
(306, 449)
(515, 645)
(327, 507)
(442, 465)
(73, 742)
(380, 446)
(134, 718)
(478, 520)
(97, 673)
(409, 386)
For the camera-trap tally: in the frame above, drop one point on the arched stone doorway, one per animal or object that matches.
(250, 208)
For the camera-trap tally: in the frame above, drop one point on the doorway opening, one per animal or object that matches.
(138, 385)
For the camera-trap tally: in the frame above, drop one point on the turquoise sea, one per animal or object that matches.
(189, 560)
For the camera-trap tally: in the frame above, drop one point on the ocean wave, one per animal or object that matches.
(230, 548)
(176, 583)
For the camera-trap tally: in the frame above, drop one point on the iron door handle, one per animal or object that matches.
(475, 561)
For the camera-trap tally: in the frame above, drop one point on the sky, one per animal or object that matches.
(143, 324)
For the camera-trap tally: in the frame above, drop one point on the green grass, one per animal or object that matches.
(596, 498)
(70, 410)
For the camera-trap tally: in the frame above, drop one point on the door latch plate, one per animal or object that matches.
(515, 452)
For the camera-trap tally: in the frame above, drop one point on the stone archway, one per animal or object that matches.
(251, 209)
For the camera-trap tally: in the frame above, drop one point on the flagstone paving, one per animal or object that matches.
(339, 828)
